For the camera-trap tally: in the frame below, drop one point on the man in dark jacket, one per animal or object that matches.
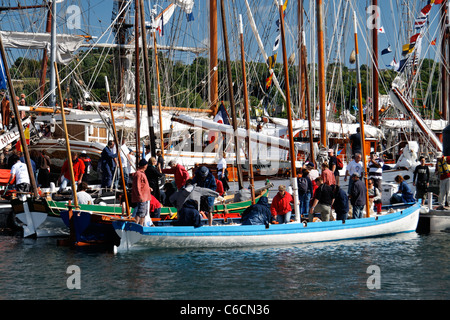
(204, 178)
(108, 163)
(340, 203)
(258, 213)
(189, 215)
(358, 196)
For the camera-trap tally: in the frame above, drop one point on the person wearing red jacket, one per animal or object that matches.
(219, 187)
(155, 207)
(180, 173)
(281, 206)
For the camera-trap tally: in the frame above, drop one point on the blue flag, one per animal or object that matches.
(3, 82)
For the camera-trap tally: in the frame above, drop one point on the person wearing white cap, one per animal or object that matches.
(355, 166)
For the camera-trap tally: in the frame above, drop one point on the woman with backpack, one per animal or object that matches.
(305, 191)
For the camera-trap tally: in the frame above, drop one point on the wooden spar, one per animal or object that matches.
(118, 147)
(159, 95)
(289, 118)
(308, 106)
(66, 136)
(23, 140)
(361, 116)
(230, 91)
(247, 113)
(213, 58)
(45, 58)
(444, 62)
(320, 47)
(147, 80)
(137, 82)
(301, 75)
(375, 66)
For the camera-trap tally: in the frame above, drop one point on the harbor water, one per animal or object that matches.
(400, 267)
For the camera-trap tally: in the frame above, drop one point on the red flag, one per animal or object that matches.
(269, 81)
(433, 43)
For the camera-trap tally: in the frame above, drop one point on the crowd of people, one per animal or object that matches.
(319, 191)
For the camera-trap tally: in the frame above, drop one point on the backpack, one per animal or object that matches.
(339, 163)
(302, 185)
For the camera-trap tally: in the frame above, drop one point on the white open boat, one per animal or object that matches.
(237, 235)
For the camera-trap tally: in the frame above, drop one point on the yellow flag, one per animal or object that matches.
(285, 4)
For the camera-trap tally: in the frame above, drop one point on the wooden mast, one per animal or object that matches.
(159, 94)
(247, 113)
(322, 94)
(361, 116)
(66, 136)
(376, 120)
(213, 57)
(444, 61)
(137, 82)
(118, 147)
(301, 75)
(13, 101)
(230, 91)
(289, 118)
(147, 80)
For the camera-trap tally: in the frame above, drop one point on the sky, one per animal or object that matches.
(96, 15)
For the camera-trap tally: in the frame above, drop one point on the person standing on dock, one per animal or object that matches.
(327, 175)
(355, 166)
(443, 170)
(421, 179)
(357, 196)
(322, 201)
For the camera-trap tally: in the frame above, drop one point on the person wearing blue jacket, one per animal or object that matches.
(189, 215)
(108, 163)
(404, 193)
(340, 204)
(258, 213)
(204, 178)
(305, 192)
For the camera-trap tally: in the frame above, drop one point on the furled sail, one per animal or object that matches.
(66, 44)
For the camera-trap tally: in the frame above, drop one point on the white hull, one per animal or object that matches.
(228, 236)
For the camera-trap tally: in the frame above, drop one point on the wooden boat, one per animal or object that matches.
(236, 235)
(43, 217)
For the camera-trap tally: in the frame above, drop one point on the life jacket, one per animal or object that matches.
(443, 167)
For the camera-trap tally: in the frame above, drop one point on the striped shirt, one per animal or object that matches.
(375, 169)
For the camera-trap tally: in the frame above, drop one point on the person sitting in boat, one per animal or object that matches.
(404, 193)
(108, 163)
(78, 171)
(281, 206)
(219, 188)
(322, 201)
(155, 207)
(19, 174)
(82, 196)
(374, 195)
(180, 173)
(257, 214)
(340, 203)
(357, 196)
(189, 215)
